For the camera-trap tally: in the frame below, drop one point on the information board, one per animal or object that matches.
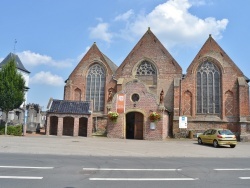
(182, 122)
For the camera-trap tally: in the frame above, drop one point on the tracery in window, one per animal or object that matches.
(146, 72)
(95, 86)
(208, 89)
(146, 68)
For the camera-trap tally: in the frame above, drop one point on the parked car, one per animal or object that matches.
(218, 137)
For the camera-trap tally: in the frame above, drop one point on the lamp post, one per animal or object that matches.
(24, 119)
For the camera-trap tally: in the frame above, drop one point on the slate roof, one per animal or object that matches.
(70, 107)
(111, 64)
(247, 79)
(18, 62)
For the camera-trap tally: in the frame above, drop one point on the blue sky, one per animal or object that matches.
(53, 35)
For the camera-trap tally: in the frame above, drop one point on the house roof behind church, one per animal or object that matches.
(18, 62)
(70, 107)
(112, 65)
(247, 79)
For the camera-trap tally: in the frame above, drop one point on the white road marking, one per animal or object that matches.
(129, 169)
(245, 178)
(32, 167)
(232, 169)
(21, 177)
(143, 179)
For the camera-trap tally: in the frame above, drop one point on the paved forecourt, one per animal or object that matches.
(99, 146)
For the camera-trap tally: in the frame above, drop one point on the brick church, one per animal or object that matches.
(149, 92)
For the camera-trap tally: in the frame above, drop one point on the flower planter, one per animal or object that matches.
(113, 116)
(154, 116)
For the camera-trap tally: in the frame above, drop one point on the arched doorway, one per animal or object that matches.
(53, 125)
(134, 125)
(83, 126)
(68, 126)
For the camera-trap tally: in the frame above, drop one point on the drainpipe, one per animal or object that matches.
(96, 123)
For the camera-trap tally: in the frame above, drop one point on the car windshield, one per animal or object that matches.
(225, 132)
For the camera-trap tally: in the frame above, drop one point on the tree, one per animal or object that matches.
(12, 89)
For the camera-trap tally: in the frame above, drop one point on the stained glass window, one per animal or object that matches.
(208, 89)
(95, 86)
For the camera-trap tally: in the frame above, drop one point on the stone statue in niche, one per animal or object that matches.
(161, 96)
(110, 95)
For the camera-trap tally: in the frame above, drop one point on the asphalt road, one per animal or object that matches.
(68, 162)
(60, 171)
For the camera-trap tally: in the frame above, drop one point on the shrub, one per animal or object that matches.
(12, 130)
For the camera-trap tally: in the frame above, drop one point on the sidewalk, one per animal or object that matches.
(101, 146)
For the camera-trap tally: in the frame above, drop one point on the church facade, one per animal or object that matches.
(146, 95)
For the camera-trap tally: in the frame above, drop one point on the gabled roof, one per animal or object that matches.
(149, 41)
(213, 49)
(112, 65)
(70, 107)
(94, 51)
(18, 62)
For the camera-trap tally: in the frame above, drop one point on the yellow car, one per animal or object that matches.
(218, 137)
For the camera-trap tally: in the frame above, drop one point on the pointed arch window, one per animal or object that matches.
(208, 89)
(146, 72)
(95, 86)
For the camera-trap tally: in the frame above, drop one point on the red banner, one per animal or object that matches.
(120, 105)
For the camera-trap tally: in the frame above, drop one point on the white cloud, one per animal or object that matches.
(125, 16)
(36, 59)
(171, 22)
(174, 25)
(1, 59)
(101, 32)
(47, 78)
(198, 3)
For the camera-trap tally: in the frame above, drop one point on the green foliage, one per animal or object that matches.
(12, 87)
(12, 130)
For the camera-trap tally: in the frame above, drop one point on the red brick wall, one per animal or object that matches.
(77, 79)
(244, 100)
(147, 103)
(100, 124)
(179, 93)
(229, 85)
(150, 48)
(200, 127)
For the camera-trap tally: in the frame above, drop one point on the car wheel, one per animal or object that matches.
(199, 141)
(232, 146)
(215, 143)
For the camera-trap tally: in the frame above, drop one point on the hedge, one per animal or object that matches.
(16, 130)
